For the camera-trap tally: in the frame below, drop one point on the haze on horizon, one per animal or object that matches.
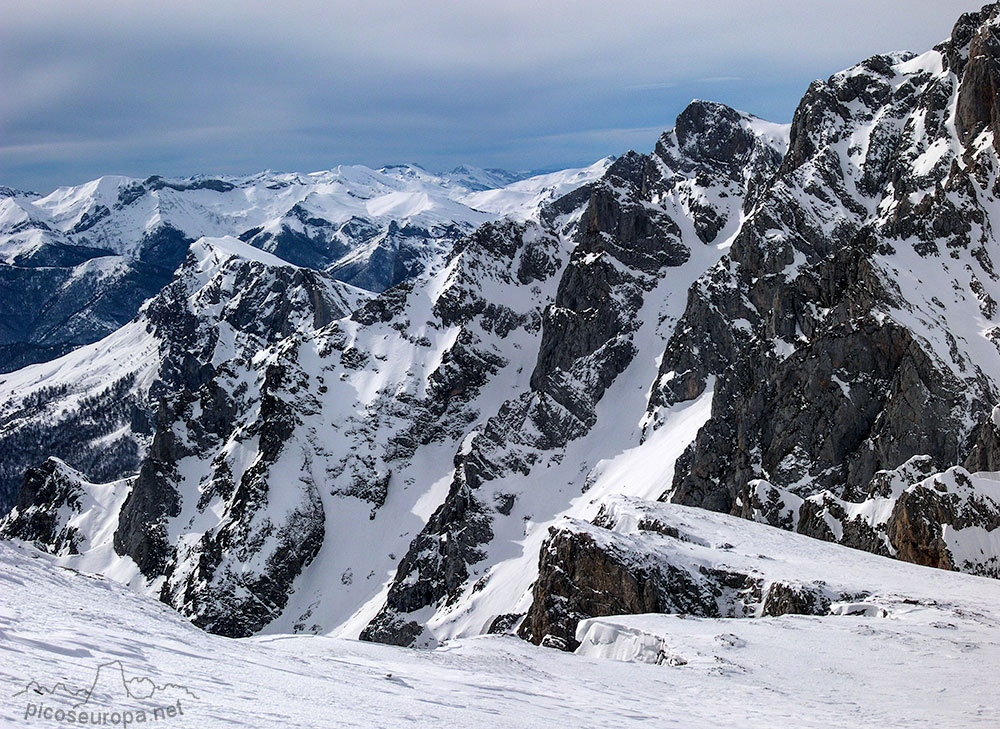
(227, 87)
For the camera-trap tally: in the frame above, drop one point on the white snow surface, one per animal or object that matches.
(405, 194)
(904, 656)
(519, 200)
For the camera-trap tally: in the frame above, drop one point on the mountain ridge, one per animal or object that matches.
(790, 324)
(371, 228)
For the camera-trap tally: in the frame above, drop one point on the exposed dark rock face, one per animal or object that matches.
(985, 452)
(797, 424)
(142, 531)
(48, 490)
(915, 529)
(439, 558)
(831, 357)
(187, 339)
(978, 107)
(199, 414)
(926, 518)
(783, 599)
(193, 404)
(621, 240)
(911, 513)
(607, 568)
(237, 601)
(716, 143)
(579, 578)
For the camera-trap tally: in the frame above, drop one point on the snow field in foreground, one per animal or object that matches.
(888, 660)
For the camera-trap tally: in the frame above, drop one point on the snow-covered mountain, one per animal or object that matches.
(898, 650)
(795, 325)
(296, 448)
(87, 257)
(98, 406)
(124, 216)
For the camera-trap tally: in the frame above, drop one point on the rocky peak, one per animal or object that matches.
(874, 192)
(978, 106)
(715, 146)
(50, 492)
(711, 133)
(955, 50)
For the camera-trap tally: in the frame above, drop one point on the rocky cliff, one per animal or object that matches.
(851, 326)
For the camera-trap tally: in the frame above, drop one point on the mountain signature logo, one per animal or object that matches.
(113, 698)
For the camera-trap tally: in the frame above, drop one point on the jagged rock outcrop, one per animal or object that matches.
(947, 520)
(264, 301)
(289, 419)
(512, 256)
(637, 558)
(833, 354)
(39, 516)
(100, 411)
(985, 452)
(622, 242)
(579, 578)
(975, 52)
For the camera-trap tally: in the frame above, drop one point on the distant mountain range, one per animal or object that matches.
(76, 264)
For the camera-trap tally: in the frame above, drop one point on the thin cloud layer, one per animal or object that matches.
(230, 87)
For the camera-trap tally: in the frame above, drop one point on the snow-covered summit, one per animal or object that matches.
(115, 213)
(370, 228)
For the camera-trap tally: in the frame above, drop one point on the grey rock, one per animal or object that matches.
(48, 490)
(815, 390)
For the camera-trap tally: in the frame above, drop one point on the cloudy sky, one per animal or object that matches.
(219, 86)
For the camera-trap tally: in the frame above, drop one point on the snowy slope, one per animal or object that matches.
(909, 667)
(345, 426)
(521, 199)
